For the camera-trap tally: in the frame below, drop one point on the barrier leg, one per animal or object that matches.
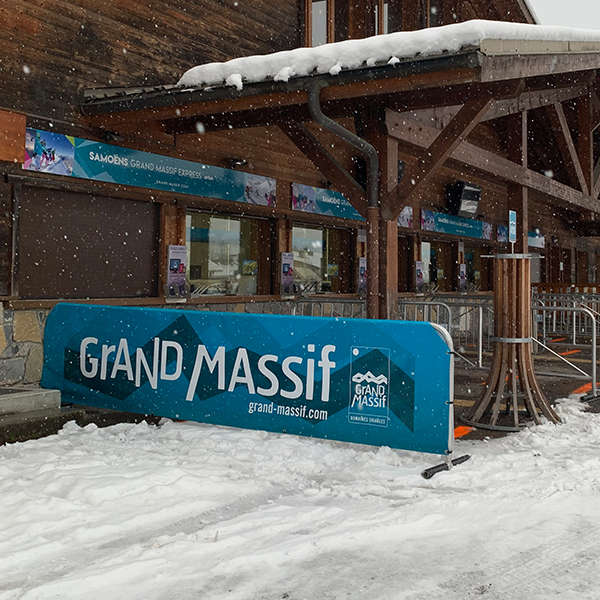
(445, 466)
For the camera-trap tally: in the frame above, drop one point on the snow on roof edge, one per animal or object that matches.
(376, 50)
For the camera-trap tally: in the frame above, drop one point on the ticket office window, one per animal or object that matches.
(479, 268)
(438, 274)
(322, 261)
(474, 265)
(223, 254)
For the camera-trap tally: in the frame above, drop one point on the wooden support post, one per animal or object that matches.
(172, 225)
(511, 388)
(387, 150)
(372, 262)
(388, 269)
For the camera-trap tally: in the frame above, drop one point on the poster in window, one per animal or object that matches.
(177, 267)
(259, 190)
(405, 218)
(419, 276)
(362, 273)
(462, 279)
(502, 234)
(287, 273)
(250, 267)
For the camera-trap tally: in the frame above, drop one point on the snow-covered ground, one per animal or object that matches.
(187, 511)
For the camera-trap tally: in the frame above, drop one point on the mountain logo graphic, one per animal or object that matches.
(369, 378)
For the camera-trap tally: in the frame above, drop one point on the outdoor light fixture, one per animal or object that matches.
(236, 162)
(111, 136)
(462, 199)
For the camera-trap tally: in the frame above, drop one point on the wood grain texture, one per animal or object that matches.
(54, 49)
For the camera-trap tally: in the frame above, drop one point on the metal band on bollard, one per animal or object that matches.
(510, 256)
(526, 340)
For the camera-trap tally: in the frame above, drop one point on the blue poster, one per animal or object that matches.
(322, 202)
(48, 152)
(443, 223)
(384, 383)
(512, 226)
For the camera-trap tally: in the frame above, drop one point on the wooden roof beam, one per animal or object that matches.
(566, 145)
(440, 149)
(585, 139)
(533, 100)
(327, 164)
(596, 192)
(419, 135)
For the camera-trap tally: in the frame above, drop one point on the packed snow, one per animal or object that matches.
(377, 50)
(184, 510)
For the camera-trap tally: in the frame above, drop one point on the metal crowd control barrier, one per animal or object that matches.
(432, 311)
(574, 310)
(349, 308)
(473, 321)
(426, 310)
(568, 324)
(470, 322)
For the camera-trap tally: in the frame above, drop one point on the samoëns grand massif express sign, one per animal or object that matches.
(385, 383)
(48, 152)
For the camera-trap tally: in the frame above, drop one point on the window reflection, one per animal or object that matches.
(317, 257)
(222, 254)
(319, 22)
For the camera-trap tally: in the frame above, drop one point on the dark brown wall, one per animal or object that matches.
(52, 50)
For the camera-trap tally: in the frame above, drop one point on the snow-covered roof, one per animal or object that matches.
(491, 37)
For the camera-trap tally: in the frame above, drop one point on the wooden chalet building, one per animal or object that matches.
(285, 182)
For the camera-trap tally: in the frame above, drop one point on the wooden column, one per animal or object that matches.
(283, 243)
(387, 149)
(388, 232)
(512, 390)
(172, 224)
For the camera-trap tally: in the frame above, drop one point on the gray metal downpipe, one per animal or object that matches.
(314, 108)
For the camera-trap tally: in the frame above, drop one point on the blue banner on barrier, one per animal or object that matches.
(385, 383)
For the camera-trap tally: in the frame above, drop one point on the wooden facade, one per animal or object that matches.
(105, 72)
(53, 50)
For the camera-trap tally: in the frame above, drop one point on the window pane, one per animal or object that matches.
(385, 8)
(307, 246)
(222, 254)
(317, 256)
(435, 14)
(319, 22)
(386, 17)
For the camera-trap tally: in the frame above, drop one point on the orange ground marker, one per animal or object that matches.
(461, 430)
(583, 389)
(569, 352)
(557, 340)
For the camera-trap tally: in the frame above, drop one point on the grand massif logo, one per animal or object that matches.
(369, 386)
